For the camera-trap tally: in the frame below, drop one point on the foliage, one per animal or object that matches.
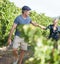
(8, 12)
(36, 37)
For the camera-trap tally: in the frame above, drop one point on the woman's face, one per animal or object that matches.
(55, 22)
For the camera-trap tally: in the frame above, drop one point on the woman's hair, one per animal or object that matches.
(55, 19)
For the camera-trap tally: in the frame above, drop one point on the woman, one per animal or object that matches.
(54, 32)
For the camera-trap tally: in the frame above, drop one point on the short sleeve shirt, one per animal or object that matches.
(20, 21)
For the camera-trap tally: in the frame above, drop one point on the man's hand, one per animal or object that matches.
(11, 32)
(10, 44)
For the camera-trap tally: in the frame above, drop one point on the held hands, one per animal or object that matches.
(42, 27)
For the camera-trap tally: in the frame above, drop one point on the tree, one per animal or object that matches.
(8, 11)
(35, 36)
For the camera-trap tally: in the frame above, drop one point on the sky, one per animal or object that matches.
(49, 7)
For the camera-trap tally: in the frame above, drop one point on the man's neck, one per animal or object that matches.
(24, 16)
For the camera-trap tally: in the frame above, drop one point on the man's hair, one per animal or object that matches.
(25, 8)
(23, 11)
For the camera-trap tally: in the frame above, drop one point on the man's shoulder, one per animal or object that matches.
(18, 16)
(17, 19)
(29, 17)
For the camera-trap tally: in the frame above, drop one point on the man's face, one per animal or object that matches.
(26, 12)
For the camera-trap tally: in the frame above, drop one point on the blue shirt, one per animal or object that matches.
(20, 21)
(53, 33)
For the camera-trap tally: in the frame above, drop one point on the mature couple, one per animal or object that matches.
(19, 22)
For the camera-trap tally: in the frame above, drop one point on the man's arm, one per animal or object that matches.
(11, 32)
(37, 25)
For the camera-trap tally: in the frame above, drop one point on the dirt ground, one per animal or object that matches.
(6, 57)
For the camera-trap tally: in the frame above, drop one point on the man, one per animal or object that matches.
(19, 22)
(54, 32)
